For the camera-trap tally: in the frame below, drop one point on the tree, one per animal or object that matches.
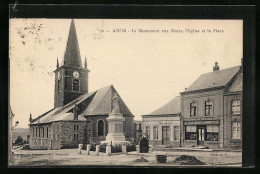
(19, 140)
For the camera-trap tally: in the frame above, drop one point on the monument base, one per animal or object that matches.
(116, 139)
(116, 142)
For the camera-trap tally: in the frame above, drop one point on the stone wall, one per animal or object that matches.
(68, 137)
(39, 138)
(60, 135)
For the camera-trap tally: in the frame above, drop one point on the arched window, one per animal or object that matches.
(58, 85)
(75, 85)
(100, 128)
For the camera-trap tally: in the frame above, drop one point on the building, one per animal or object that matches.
(211, 109)
(137, 129)
(163, 124)
(78, 116)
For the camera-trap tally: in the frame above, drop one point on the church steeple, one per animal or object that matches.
(71, 79)
(72, 54)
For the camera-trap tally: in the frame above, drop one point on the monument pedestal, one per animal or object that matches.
(115, 130)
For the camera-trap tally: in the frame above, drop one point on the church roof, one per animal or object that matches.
(72, 53)
(57, 114)
(219, 78)
(100, 103)
(173, 107)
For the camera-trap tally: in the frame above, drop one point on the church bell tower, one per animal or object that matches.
(71, 79)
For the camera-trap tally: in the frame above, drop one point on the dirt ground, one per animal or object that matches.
(70, 157)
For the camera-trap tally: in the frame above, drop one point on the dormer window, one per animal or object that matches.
(75, 85)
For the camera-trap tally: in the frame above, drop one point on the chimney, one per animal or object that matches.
(75, 112)
(30, 118)
(216, 67)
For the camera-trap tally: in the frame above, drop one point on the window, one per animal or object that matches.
(176, 133)
(100, 128)
(190, 133)
(77, 136)
(208, 108)
(39, 132)
(74, 127)
(193, 109)
(75, 86)
(140, 126)
(147, 130)
(155, 132)
(74, 137)
(235, 130)
(77, 127)
(36, 132)
(235, 107)
(43, 132)
(33, 132)
(47, 132)
(58, 85)
(212, 133)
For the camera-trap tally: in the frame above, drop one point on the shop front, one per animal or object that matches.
(203, 133)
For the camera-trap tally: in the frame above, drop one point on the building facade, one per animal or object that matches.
(211, 110)
(163, 125)
(78, 116)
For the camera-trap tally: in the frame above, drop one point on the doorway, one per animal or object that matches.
(165, 135)
(201, 135)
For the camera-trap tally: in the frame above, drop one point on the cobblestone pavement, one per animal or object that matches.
(70, 157)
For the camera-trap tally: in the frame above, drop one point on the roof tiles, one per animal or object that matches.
(219, 78)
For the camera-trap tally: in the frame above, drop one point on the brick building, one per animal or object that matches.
(163, 124)
(211, 109)
(78, 116)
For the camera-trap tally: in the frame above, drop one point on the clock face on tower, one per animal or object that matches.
(76, 74)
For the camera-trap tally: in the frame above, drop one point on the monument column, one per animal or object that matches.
(115, 125)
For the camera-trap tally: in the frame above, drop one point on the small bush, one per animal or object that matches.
(93, 147)
(102, 148)
(84, 147)
(19, 141)
(71, 146)
(130, 148)
(26, 147)
(116, 148)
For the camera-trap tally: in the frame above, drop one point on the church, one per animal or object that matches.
(78, 116)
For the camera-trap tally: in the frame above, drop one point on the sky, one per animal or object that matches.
(148, 69)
